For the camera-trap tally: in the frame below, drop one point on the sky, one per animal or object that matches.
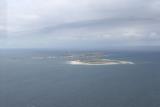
(79, 24)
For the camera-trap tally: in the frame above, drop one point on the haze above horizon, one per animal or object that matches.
(80, 24)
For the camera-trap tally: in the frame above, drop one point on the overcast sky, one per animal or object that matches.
(68, 24)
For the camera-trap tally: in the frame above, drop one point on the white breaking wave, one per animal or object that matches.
(110, 62)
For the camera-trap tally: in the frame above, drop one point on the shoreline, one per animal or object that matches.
(110, 62)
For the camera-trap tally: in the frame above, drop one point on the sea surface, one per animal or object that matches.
(42, 78)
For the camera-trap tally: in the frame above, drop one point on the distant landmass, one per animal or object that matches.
(94, 59)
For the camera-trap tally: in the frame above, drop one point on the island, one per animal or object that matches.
(94, 59)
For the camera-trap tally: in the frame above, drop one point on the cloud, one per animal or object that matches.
(62, 23)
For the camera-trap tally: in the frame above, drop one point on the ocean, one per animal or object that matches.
(42, 78)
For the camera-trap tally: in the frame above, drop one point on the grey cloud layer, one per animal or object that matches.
(64, 23)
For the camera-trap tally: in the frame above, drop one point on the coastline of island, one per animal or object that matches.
(99, 62)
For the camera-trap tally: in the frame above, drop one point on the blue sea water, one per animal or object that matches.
(42, 78)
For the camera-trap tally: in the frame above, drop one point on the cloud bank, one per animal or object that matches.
(79, 23)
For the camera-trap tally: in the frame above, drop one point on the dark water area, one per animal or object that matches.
(42, 78)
